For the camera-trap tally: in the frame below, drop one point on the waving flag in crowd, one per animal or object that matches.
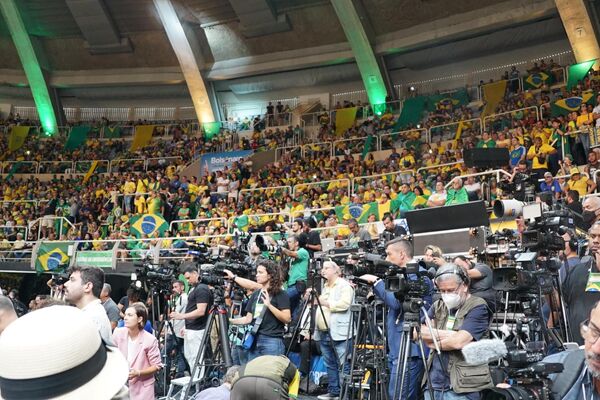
(148, 224)
(52, 256)
(570, 104)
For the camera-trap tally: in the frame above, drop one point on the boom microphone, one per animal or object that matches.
(484, 351)
(377, 260)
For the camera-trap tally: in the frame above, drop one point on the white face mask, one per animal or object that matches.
(452, 300)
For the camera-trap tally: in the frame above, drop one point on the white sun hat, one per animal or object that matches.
(56, 353)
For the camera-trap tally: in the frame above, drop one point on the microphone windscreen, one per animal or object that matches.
(484, 351)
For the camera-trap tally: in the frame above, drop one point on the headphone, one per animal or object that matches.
(456, 270)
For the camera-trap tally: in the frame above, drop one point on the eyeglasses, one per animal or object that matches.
(589, 331)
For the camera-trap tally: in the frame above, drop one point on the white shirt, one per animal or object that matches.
(96, 312)
(179, 324)
(596, 110)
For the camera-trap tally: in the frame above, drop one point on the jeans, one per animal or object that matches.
(335, 354)
(175, 343)
(295, 295)
(239, 356)
(412, 379)
(449, 395)
(266, 346)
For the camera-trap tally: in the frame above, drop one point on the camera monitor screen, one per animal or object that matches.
(532, 211)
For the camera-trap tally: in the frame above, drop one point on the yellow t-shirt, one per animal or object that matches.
(579, 185)
(589, 117)
(544, 148)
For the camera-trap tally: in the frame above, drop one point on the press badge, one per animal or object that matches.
(451, 320)
(593, 283)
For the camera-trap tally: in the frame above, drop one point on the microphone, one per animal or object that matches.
(484, 351)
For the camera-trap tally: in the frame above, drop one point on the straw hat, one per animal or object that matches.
(57, 353)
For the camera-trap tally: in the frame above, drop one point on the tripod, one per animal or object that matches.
(211, 362)
(410, 328)
(368, 359)
(313, 299)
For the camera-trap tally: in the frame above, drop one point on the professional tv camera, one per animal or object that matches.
(526, 372)
(155, 276)
(213, 275)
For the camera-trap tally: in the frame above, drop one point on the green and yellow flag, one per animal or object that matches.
(360, 212)
(17, 137)
(570, 104)
(112, 133)
(493, 93)
(148, 224)
(77, 137)
(448, 101)
(142, 136)
(577, 72)
(537, 80)
(52, 257)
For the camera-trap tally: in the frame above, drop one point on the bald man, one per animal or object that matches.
(7, 313)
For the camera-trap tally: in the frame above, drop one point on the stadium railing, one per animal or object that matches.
(200, 221)
(439, 166)
(306, 186)
(493, 117)
(402, 175)
(495, 172)
(287, 190)
(281, 216)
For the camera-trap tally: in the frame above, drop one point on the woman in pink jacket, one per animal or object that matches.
(141, 350)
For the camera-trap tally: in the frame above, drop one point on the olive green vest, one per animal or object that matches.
(464, 378)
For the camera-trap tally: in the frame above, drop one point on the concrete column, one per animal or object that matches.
(31, 58)
(580, 31)
(187, 60)
(358, 38)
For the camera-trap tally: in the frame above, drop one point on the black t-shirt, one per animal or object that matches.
(270, 326)
(578, 301)
(313, 238)
(200, 294)
(483, 287)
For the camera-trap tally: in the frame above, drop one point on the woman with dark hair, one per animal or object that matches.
(268, 310)
(141, 350)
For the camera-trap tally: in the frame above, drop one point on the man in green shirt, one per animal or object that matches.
(298, 271)
(403, 201)
(486, 142)
(458, 194)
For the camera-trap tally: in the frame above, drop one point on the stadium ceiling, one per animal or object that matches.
(116, 42)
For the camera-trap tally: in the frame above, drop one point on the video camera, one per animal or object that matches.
(213, 274)
(526, 372)
(156, 276)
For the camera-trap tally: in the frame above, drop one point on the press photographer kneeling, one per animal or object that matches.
(457, 319)
(268, 310)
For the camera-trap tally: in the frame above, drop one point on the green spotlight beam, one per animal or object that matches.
(363, 52)
(31, 65)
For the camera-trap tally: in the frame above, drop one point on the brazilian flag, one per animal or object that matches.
(360, 212)
(52, 257)
(112, 132)
(448, 101)
(148, 224)
(537, 80)
(565, 106)
(242, 222)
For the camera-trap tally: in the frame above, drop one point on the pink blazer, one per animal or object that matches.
(148, 354)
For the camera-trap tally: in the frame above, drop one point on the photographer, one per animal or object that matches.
(391, 230)
(200, 300)
(481, 280)
(399, 252)
(297, 272)
(432, 255)
(333, 322)
(268, 309)
(457, 320)
(580, 290)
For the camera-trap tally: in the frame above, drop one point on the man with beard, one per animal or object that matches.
(580, 378)
(581, 286)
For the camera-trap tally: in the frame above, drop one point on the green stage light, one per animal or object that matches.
(379, 109)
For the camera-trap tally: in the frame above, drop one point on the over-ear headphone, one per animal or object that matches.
(573, 242)
(456, 270)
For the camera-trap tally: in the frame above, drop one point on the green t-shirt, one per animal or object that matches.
(299, 267)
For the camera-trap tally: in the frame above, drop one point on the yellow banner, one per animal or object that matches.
(493, 93)
(17, 137)
(142, 137)
(344, 119)
(90, 171)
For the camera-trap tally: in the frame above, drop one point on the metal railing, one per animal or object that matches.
(199, 221)
(306, 186)
(287, 189)
(496, 172)
(46, 219)
(343, 144)
(494, 117)
(402, 176)
(439, 129)
(257, 217)
(386, 140)
(314, 148)
(439, 166)
(83, 167)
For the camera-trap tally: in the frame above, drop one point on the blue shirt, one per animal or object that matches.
(554, 187)
(476, 323)
(516, 155)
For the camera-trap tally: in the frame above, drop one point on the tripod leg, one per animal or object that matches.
(200, 355)
(425, 369)
(403, 359)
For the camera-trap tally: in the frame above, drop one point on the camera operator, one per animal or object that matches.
(313, 239)
(457, 320)
(399, 252)
(268, 309)
(174, 342)
(267, 378)
(200, 300)
(579, 291)
(481, 277)
(357, 234)
(591, 210)
(391, 230)
(297, 272)
(569, 256)
(333, 322)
